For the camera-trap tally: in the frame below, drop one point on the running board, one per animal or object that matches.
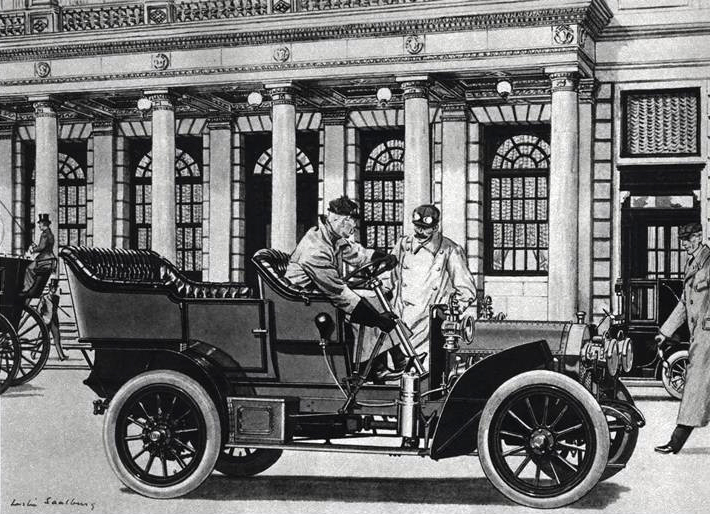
(337, 448)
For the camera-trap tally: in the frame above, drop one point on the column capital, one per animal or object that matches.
(163, 99)
(283, 92)
(336, 117)
(221, 122)
(563, 78)
(415, 86)
(454, 111)
(44, 106)
(103, 127)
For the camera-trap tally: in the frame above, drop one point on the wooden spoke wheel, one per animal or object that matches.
(674, 378)
(9, 354)
(34, 341)
(162, 434)
(543, 440)
(244, 462)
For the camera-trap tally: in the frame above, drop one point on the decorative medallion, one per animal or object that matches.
(582, 36)
(157, 15)
(160, 61)
(282, 6)
(42, 69)
(39, 25)
(282, 54)
(413, 44)
(562, 34)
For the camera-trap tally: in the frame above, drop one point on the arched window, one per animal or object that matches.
(263, 163)
(517, 206)
(188, 209)
(382, 197)
(72, 202)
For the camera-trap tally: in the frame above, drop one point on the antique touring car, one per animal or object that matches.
(195, 376)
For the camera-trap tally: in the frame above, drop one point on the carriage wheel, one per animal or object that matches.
(162, 434)
(539, 422)
(34, 345)
(622, 443)
(245, 462)
(9, 353)
(674, 379)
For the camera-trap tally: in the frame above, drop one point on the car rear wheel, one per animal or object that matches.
(9, 354)
(162, 434)
(539, 423)
(34, 345)
(674, 377)
(244, 462)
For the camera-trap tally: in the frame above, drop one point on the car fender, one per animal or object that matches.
(457, 426)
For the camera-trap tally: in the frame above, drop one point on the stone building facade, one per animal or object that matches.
(564, 140)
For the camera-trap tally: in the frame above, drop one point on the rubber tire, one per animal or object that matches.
(7, 330)
(261, 460)
(672, 360)
(21, 378)
(589, 403)
(628, 443)
(208, 411)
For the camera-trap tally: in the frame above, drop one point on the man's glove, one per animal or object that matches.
(661, 343)
(365, 314)
(390, 261)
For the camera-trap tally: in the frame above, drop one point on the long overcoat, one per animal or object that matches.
(694, 307)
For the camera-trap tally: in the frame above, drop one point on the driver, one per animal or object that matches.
(318, 257)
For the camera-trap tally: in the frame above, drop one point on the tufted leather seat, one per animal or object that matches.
(144, 269)
(271, 265)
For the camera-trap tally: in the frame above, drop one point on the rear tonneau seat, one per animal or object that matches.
(136, 270)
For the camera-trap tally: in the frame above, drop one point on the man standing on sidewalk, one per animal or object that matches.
(694, 307)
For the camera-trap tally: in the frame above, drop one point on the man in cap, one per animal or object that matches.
(318, 257)
(430, 267)
(45, 259)
(693, 307)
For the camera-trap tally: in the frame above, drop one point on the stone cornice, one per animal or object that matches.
(593, 17)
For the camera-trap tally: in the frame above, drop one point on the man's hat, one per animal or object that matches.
(426, 216)
(44, 218)
(685, 231)
(344, 206)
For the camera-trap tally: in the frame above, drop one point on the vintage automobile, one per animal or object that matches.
(24, 336)
(194, 376)
(642, 307)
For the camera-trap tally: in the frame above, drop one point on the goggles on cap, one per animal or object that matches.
(426, 219)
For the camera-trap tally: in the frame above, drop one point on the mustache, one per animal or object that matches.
(419, 235)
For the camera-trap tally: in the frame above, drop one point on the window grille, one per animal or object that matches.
(661, 123)
(517, 206)
(72, 203)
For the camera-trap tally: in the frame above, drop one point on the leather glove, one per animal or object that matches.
(365, 314)
(661, 343)
(390, 261)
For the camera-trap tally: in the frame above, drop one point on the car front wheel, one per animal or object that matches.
(162, 434)
(543, 440)
(245, 462)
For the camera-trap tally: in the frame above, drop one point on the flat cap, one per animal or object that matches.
(685, 231)
(344, 206)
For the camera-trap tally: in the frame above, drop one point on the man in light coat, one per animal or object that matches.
(694, 307)
(430, 267)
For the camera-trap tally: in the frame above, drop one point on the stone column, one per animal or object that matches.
(46, 142)
(334, 163)
(220, 198)
(454, 165)
(563, 200)
(163, 182)
(417, 160)
(104, 181)
(283, 166)
(7, 185)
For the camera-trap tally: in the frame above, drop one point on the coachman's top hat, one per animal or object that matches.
(344, 206)
(685, 231)
(426, 216)
(44, 218)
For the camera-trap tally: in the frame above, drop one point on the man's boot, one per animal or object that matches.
(678, 439)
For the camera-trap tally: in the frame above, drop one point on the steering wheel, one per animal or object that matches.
(363, 274)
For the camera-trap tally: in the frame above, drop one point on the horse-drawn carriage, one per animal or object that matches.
(194, 376)
(24, 335)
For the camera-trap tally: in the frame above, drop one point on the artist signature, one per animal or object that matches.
(52, 500)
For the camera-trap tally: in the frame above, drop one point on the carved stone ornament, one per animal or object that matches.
(42, 69)
(562, 35)
(282, 54)
(413, 44)
(582, 36)
(160, 61)
(39, 25)
(157, 15)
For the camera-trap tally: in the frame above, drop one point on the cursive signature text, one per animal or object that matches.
(52, 500)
